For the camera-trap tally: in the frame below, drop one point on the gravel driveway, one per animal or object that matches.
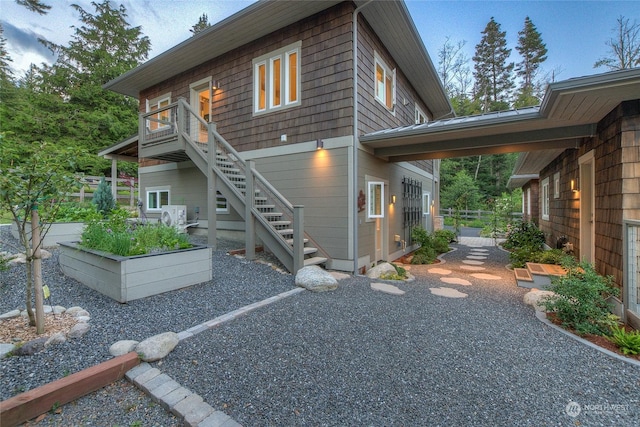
(354, 356)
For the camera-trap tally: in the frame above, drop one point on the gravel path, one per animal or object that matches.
(350, 357)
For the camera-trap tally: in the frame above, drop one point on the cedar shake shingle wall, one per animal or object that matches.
(617, 188)
(326, 85)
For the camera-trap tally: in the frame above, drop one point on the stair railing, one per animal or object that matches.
(256, 186)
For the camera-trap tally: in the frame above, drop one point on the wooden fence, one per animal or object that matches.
(126, 193)
(475, 214)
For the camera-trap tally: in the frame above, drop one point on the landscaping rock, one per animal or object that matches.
(380, 270)
(81, 313)
(5, 349)
(535, 298)
(73, 310)
(10, 314)
(157, 346)
(58, 338)
(315, 279)
(30, 348)
(58, 309)
(79, 330)
(122, 347)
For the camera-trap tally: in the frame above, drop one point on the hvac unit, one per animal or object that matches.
(174, 216)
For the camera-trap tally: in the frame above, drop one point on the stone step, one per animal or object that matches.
(314, 261)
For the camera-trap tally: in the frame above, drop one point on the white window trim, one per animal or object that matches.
(419, 112)
(219, 199)
(387, 70)
(371, 213)
(284, 54)
(426, 203)
(156, 102)
(556, 185)
(157, 190)
(544, 193)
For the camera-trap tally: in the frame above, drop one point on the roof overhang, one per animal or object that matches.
(569, 112)
(389, 19)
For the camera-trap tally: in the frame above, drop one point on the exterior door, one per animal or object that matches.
(376, 214)
(200, 102)
(587, 207)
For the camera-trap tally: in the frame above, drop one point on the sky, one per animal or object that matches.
(575, 32)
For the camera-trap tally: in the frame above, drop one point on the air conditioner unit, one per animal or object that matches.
(174, 216)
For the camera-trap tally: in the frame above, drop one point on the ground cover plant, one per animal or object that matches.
(118, 236)
(431, 244)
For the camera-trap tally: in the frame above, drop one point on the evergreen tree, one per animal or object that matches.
(6, 74)
(35, 6)
(533, 52)
(203, 24)
(103, 198)
(492, 73)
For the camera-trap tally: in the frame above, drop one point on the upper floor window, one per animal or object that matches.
(421, 117)
(162, 119)
(385, 83)
(276, 79)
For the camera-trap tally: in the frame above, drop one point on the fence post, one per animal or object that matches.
(298, 238)
(250, 231)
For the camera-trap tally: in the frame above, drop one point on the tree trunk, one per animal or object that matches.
(37, 270)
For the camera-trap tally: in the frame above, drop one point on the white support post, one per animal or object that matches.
(212, 186)
(114, 179)
(298, 238)
(250, 225)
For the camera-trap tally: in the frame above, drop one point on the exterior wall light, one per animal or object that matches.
(319, 144)
(574, 185)
(393, 199)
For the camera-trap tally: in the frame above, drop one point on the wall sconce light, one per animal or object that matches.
(319, 144)
(574, 185)
(393, 199)
(215, 85)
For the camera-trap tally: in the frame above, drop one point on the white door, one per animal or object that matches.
(376, 214)
(201, 102)
(587, 207)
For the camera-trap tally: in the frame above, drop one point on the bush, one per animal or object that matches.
(524, 235)
(449, 235)
(103, 199)
(627, 342)
(581, 299)
(520, 256)
(75, 212)
(431, 245)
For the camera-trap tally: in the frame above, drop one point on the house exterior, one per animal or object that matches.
(272, 102)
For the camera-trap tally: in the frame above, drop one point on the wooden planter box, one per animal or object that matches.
(130, 278)
(58, 232)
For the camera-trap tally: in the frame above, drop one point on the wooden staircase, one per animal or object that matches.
(274, 216)
(537, 275)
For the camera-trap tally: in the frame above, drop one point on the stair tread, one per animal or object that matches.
(310, 250)
(522, 274)
(315, 261)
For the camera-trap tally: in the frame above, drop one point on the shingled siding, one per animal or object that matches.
(326, 85)
(617, 188)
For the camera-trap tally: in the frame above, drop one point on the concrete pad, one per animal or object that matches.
(455, 281)
(485, 276)
(476, 257)
(442, 271)
(387, 289)
(472, 262)
(472, 268)
(447, 292)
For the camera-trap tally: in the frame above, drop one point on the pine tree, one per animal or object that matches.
(103, 198)
(533, 52)
(203, 24)
(35, 6)
(492, 73)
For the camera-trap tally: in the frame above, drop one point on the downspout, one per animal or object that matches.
(356, 141)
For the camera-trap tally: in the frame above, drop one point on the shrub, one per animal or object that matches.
(524, 234)
(103, 199)
(431, 245)
(75, 212)
(449, 235)
(581, 296)
(552, 256)
(627, 342)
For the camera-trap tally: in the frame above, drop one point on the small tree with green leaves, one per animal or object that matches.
(32, 175)
(103, 198)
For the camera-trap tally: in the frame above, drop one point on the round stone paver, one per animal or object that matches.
(486, 276)
(448, 292)
(476, 257)
(479, 250)
(472, 262)
(455, 281)
(386, 288)
(442, 271)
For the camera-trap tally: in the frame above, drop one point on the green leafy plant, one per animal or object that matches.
(75, 212)
(627, 342)
(449, 235)
(580, 300)
(431, 245)
(399, 274)
(115, 235)
(524, 234)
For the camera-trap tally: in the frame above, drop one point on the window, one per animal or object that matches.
(376, 200)
(157, 198)
(426, 204)
(545, 199)
(163, 118)
(421, 117)
(276, 79)
(221, 203)
(385, 83)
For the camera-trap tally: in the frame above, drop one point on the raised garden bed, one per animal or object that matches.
(129, 278)
(58, 232)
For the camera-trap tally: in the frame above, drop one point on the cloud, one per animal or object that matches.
(24, 48)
